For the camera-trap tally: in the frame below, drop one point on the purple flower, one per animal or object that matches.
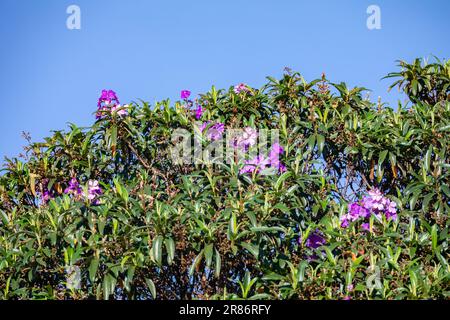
(107, 97)
(391, 216)
(248, 138)
(108, 100)
(204, 125)
(380, 205)
(274, 157)
(185, 94)
(356, 211)
(375, 203)
(257, 163)
(215, 132)
(94, 191)
(344, 221)
(198, 112)
(46, 196)
(241, 87)
(315, 239)
(376, 195)
(260, 162)
(73, 188)
(391, 208)
(277, 149)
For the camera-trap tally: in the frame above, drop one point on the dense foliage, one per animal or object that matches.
(110, 202)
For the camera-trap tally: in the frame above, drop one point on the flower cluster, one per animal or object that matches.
(248, 138)
(108, 101)
(94, 191)
(241, 87)
(185, 94)
(260, 162)
(47, 194)
(374, 204)
(74, 188)
(214, 132)
(315, 239)
(198, 112)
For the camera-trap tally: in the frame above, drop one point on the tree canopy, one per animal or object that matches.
(352, 202)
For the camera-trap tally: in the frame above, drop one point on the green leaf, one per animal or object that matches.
(253, 249)
(233, 224)
(151, 287)
(93, 266)
(382, 157)
(208, 254)
(320, 143)
(446, 190)
(218, 263)
(157, 249)
(427, 158)
(170, 247)
(434, 237)
(330, 256)
(301, 270)
(267, 229)
(109, 284)
(113, 137)
(195, 263)
(281, 179)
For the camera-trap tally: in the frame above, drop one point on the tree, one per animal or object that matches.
(357, 191)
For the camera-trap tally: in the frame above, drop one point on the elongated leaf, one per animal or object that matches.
(157, 249)
(93, 266)
(208, 254)
(170, 247)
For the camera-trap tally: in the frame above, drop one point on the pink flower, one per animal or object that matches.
(107, 97)
(248, 138)
(274, 157)
(94, 191)
(185, 94)
(198, 112)
(241, 87)
(215, 132)
(376, 194)
(260, 163)
(344, 221)
(256, 164)
(107, 101)
(120, 110)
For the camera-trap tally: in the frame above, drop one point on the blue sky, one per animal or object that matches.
(151, 50)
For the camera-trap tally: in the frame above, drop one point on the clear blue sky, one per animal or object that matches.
(50, 75)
